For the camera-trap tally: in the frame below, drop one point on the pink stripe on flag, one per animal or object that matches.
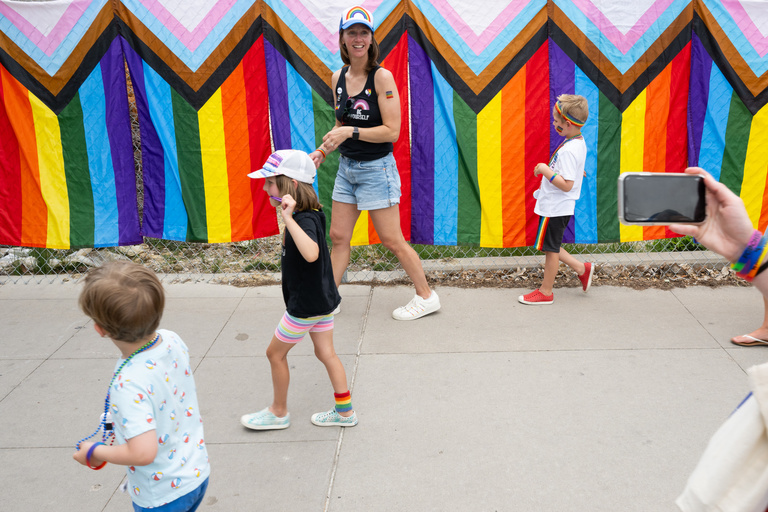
(190, 39)
(747, 25)
(623, 42)
(46, 43)
(319, 29)
(480, 42)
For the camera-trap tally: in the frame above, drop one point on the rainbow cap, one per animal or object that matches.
(289, 162)
(355, 15)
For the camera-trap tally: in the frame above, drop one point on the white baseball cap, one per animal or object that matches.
(288, 162)
(355, 15)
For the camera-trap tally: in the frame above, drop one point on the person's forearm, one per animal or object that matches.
(379, 134)
(554, 178)
(138, 451)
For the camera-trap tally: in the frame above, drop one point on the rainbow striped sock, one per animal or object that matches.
(343, 402)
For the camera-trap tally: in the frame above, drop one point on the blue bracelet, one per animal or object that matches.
(90, 452)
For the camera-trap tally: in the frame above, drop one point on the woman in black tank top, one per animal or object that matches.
(367, 124)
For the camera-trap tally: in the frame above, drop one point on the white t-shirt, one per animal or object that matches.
(568, 162)
(156, 391)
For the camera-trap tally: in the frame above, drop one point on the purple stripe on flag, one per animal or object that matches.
(121, 145)
(569, 236)
(423, 146)
(277, 85)
(562, 73)
(701, 67)
(152, 154)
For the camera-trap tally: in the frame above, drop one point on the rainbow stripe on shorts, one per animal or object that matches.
(543, 224)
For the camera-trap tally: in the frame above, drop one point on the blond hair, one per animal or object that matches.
(303, 193)
(124, 299)
(573, 105)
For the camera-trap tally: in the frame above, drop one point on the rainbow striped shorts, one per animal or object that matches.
(292, 329)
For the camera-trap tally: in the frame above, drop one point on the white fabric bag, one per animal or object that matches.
(732, 474)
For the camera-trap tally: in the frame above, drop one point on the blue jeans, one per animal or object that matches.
(187, 503)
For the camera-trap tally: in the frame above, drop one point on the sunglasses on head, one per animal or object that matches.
(347, 108)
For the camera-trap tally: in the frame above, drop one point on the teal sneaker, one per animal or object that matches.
(333, 419)
(265, 420)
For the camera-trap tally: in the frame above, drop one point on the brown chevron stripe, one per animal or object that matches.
(195, 79)
(54, 84)
(755, 84)
(622, 82)
(477, 83)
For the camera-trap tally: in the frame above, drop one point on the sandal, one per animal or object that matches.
(751, 341)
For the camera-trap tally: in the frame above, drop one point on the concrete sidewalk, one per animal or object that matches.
(602, 402)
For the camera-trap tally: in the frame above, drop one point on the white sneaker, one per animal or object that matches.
(417, 308)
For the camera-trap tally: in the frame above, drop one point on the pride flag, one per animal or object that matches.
(196, 163)
(726, 139)
(67, 178)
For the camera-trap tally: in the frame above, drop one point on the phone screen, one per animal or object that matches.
(663, 198)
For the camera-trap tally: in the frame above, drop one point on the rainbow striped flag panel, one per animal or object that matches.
(134, 118)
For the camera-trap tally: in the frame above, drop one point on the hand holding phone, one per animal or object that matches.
(647, 198)
(727, 228)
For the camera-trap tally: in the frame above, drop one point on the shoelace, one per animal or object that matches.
(325, 416)
(415, 306)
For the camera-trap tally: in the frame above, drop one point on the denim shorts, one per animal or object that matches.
(371, 185)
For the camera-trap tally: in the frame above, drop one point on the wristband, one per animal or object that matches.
(763, 267)
(760, 260)
(749, 262)
(553, 177)
(355, 133)
(320, 149)
(88, 457)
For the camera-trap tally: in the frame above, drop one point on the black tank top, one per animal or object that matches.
(361, 110)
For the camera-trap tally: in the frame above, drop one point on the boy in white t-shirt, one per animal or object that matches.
(556, 198)
(152, 397)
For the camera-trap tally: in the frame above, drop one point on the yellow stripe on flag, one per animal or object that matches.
(53, 178)
(632, 142)
(489, 173)
(214, 157)
(755, 166)
(360, 234)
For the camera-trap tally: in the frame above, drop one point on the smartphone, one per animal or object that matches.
(650, 198)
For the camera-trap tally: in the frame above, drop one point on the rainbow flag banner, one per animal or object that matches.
(212, 88)
(67, 178)
(196, 162)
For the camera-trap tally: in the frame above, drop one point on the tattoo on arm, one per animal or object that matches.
(389, 95)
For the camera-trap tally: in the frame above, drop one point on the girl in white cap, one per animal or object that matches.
(367, 123)
(309, 291)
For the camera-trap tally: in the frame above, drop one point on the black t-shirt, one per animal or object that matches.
(361, 110)
(308, 288)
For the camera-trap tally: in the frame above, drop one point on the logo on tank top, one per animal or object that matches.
(357, 108)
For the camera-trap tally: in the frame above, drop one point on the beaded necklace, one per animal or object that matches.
(552, 158)
(102, 424)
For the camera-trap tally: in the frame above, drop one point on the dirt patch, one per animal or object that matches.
(663, 277)
(642, 277)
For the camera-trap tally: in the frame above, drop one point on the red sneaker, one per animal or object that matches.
(536, 298)
(586, 277)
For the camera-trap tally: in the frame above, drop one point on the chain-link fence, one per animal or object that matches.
(678, 261)
(670, 262)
